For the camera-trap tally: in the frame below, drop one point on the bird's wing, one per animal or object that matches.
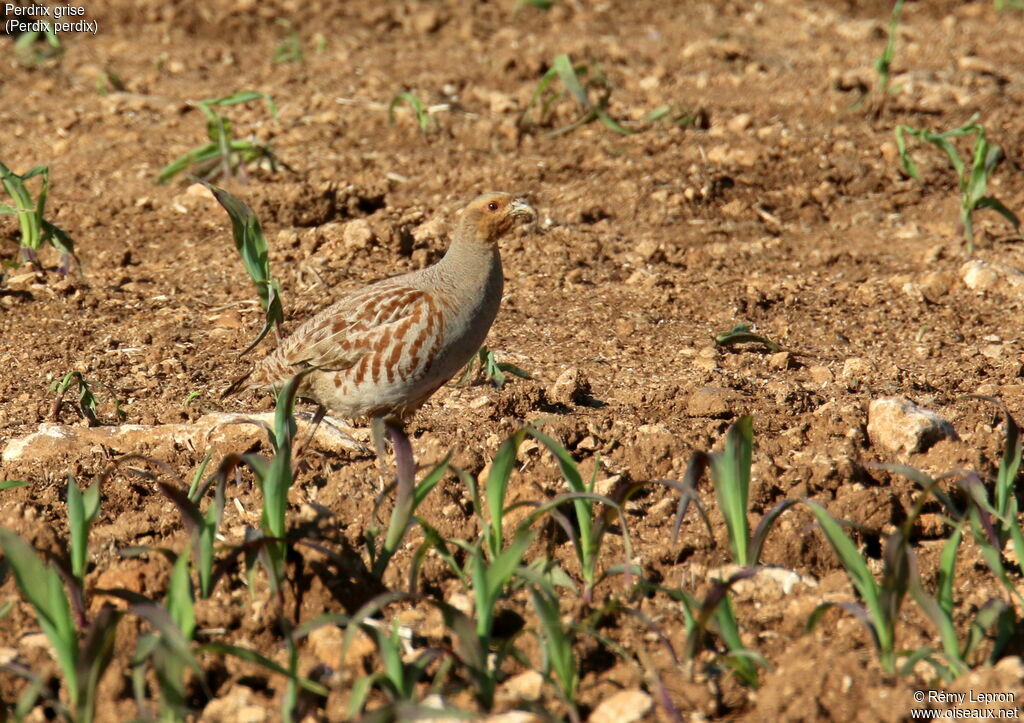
(385, 330)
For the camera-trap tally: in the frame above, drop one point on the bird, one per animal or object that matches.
(381, 351)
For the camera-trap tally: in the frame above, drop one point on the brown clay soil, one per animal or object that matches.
(782, 206)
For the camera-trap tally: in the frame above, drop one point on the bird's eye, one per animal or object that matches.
(492, 206)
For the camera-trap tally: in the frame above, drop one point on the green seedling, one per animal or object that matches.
(562, 68)
(730, 476)
(538, 4)
(423, 118)
(883, 64)
(994, 614)
(486, 365)
(408, 497)
(881, 601)
(939, 608)
(275, 477)
(108, 81)
(82, 510)
(224, 155)
(12, 484)
(203, 527)
(252, 247)
(31, 50)
(973, 181)
(714, 614)
(594, 513)
(87, 405)
(401, 674)
(288, 50)
(1003, 4)
(35, 229)
(82, 660)
(679, 116)
(742, 334)
(556, 643)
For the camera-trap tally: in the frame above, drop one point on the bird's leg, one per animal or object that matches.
(377, 431)
(405, 465)
(321, 412)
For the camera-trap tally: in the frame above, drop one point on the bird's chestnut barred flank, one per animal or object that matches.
(381, 351)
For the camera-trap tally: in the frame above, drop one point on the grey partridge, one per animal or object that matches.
(383, 350)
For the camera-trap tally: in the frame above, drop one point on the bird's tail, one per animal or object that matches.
(239, 385)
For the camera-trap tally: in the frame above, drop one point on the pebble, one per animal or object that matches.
(715, 402)
(982, 276)
(625, 706)
(896, 423)
(571, 387)
(357, 234)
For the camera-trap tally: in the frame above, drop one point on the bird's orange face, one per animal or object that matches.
(492, 215)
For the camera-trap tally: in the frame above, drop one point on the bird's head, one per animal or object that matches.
(490, 216)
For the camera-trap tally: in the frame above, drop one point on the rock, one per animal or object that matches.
(430, 230)
(525, 686)
(625, 706)
(571, 387)
(513, 716)
(770, 582)
(739, 123)
(896, 424)
(715, 402)
(239, 705)
(20, 282)
(984, 276)
(780, 360)
(820, 374)
(357, 234)
(198, 190)
(230, 432)
(857, 368)
(935, 285)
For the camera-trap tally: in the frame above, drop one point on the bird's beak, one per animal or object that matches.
(520, 208)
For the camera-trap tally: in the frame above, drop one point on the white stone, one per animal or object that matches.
(897, 424)
(625, 706)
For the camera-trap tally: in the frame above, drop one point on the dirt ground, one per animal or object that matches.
(781, 205)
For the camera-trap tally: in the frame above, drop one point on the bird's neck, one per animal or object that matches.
(469, 263)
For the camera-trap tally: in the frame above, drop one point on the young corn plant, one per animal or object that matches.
(995, 615)
(559, 660)
(594, 513)
(939, 608)
(730, 476)
(35, 229)
(224, 156)
(563, 69)
(402, 672)
(742, 334)
(288, 50)
(424, 119)
(37, 47)
(486, 365)
(83, 507)
(714, 615)
(87, 405)
(252, 247)
(82, 657)
(882, 601)
(883, 64)
(973, 181)
(202, 526)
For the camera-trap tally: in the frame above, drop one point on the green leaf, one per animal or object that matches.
(730, 474)
(997, 206)
(41, 586)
